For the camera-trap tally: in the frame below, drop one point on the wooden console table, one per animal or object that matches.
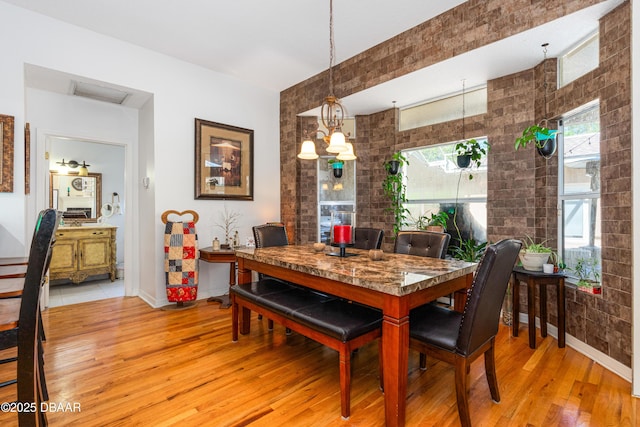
(221, 256)
(539, 279)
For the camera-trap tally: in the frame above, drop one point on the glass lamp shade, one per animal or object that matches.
(343, 225)
(337, 143)
(308, 151)
(347, 155)
(83, 171)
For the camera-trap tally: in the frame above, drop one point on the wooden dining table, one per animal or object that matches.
(395, 284)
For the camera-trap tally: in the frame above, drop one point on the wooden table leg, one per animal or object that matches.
(224, 299)
(515, 292)
(531, 311)
(244, 276)
(561, 313)
(543, 309)
(395, 365)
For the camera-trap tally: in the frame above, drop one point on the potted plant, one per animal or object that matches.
(470, 152)
(337, 166)
(469, 250)
(533, 255)
(586, 269)
(395, 189)
(397, 160)
(437, 222)
(542, 137)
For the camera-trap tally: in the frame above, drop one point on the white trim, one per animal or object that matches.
(583, 348)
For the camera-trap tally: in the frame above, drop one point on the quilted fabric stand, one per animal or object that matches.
(181, 259)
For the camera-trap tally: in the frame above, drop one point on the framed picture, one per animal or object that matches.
(27, 158)
(6, 153)
(224, 162)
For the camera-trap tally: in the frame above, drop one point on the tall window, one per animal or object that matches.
(579, 187)
(334, 194)
(435, 183)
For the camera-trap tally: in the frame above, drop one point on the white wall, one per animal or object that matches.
(181, 92)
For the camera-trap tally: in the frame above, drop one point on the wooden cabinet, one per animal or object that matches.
(80, 252)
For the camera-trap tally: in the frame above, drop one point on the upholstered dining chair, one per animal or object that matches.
(368, 238)
(422, 243)
(460, 338)
(20, 322)
(267, 235)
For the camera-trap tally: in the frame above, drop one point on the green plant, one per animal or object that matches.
(395, 189)
(469, 250)
(536, 134)
(474, 149)
(439, 219)
(435, 219)
(536, 248)
(335, 162)
(586, 269)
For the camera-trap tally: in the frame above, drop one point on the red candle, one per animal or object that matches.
(341, 234)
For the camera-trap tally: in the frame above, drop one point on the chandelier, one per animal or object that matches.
(331, 114)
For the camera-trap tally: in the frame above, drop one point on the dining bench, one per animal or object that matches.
(332, 321)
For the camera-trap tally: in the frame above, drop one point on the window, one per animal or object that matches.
(579, 60)
(444, 109)
(334, 194)
(579, 187)
(435, 183)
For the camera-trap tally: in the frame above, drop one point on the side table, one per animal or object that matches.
(539, 279)
(221, 256)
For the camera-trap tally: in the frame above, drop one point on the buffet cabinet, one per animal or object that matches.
(81, 252)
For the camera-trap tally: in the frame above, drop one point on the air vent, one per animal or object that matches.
(99, 93)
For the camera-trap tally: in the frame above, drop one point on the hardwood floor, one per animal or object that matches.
(127, 364)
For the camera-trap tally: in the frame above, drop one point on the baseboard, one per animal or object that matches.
(597, 356)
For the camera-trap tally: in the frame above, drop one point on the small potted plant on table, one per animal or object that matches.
(533, 255)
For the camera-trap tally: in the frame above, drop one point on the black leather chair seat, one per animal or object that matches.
(340, 319)
(437, 325)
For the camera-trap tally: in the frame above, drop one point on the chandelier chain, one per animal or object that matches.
(332, 47)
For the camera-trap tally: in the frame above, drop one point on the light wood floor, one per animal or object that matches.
(127, 365)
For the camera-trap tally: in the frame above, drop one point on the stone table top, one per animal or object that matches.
(395, 274)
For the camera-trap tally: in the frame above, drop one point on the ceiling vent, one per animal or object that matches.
(99, 93)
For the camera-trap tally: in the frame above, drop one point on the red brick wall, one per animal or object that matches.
(522, 186)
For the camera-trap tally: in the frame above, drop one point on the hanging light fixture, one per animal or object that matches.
(72, 164)
(83, 171)
(331, 113)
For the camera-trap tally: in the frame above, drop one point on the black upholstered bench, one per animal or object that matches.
(339, 324)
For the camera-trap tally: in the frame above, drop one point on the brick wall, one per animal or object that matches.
(522, 186)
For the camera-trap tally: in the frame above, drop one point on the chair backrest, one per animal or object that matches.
(422, 243)
(484, 300)
(267, 235)
(39, 259)
(368, 238)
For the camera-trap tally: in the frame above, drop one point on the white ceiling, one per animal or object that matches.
(276, 44)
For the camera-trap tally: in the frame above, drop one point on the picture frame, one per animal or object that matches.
(27, 158)
(6, 153)
(223, 161)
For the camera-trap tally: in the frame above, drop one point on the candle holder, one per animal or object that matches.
(343, 224)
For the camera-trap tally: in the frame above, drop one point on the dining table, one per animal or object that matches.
(394, 284)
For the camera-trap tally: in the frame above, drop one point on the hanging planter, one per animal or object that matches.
(543, 138)
(547, 144)
(337, 166)
(471, 151)
(463, 161)
(392, 167)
